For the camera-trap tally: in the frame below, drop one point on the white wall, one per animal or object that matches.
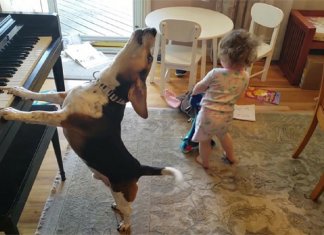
(286, 7)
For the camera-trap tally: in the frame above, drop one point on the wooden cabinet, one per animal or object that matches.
(299, 40)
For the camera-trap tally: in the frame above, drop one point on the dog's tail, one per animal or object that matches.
(149, 170)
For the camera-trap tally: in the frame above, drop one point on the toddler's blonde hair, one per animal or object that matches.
(239, 47)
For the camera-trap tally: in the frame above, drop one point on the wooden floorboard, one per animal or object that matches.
(116, 12)
(78, 26)
(87, 25)
(103, 22)
(112, 18)
(68, 29)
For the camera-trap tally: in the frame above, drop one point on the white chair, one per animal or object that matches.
(175, 56)
(268, 16)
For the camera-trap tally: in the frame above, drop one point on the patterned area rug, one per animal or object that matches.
(268, 193)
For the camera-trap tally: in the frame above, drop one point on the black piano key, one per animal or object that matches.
(13, 55)
(9, 70)
(4, 79)
(21, 47)
(17, 44)
(16, 51)
(7, 75)
(17, 57)
(3, 66)
(3, 83)
(7, 61)
(6, 69)
(12, 63)
(7, 56)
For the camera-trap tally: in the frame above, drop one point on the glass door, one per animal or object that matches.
(106, 23)
(100, 19)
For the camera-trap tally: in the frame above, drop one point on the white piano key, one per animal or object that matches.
(5, 99)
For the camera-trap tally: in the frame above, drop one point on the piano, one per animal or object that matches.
(30, 47)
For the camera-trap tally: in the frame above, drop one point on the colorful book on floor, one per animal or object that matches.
(263, 95)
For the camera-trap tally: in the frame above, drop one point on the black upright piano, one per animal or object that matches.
(30, 47)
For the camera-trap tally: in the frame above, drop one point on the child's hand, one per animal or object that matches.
(195, 100)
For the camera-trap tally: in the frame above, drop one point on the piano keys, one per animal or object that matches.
(16, 70)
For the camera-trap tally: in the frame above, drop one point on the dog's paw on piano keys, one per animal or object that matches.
(16, 91)
(8, 114)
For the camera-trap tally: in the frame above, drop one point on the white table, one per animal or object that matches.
(213, 26)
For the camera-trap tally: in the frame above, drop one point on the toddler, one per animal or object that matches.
(222, 88)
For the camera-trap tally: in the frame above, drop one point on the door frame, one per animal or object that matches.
(141, 9)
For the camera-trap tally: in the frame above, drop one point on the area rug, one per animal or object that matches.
(268, 192)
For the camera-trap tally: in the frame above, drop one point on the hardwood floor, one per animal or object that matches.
(293, 99)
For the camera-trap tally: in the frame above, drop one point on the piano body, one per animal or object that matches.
(30, 46)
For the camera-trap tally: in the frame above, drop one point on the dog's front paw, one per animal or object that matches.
(124, 228)
(7, 113)
(14, 90)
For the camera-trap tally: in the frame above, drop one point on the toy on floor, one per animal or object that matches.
(187, 145)
(171, 99)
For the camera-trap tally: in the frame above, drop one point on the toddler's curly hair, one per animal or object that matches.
(239, 47)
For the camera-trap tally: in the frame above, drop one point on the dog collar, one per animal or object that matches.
(111, 94)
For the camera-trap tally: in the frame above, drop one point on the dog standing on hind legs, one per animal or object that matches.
(91, 116)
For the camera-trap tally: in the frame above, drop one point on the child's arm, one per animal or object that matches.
(203, 85)
(200, 87)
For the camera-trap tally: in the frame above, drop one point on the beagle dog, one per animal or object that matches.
(91, 116)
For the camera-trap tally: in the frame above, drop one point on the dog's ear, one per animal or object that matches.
(137, 96)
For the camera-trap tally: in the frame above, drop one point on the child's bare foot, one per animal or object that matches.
(230, 161)
(200, 161)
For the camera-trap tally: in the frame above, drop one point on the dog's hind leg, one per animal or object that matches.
(56, 98)
(54, 118)
(123, 204)
(125, 210)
